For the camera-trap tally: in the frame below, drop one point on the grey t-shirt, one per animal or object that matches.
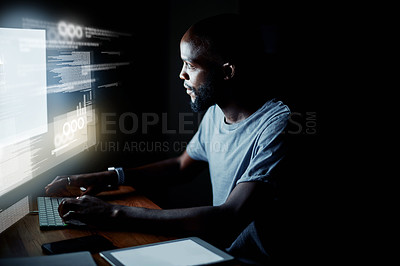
(245, 151)
(240, 152)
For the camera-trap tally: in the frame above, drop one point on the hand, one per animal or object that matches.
(89, 210)
(59, 187)
(94, 183)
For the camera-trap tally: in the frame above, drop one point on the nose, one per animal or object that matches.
(183, 74)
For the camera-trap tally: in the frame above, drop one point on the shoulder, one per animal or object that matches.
(213, 113)
(274, 111)
(275, 107)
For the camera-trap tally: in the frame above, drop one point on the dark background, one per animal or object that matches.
(299, 35)
(303, 42)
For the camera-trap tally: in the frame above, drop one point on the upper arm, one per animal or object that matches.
(247, 200)
(189, 165)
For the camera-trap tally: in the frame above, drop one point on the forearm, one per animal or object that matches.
(174, 170)
(155, 173)
(214, 224)
(218, 224)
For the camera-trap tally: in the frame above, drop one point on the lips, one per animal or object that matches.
(189, 90)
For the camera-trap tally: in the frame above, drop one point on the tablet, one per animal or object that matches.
(184, 251)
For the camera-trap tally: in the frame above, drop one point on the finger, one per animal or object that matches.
(57, 179)
(61, 209)
(91, 190)
(67, 205)
(51, 186)
(86, 198)
(57, 193)
(71, 215)
(56, 185)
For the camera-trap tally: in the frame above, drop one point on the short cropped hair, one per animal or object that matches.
(228, 38)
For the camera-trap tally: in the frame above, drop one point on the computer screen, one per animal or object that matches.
(50, 73)
(37, 134)
(23, 102)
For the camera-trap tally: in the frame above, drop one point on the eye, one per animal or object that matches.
(189, 66)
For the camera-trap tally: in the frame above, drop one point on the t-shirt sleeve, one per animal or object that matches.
(196, 147)
(268, 151)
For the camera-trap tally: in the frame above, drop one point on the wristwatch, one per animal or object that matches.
(120, 174)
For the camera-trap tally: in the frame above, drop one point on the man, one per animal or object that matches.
(239, 137)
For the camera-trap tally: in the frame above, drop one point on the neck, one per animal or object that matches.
(234, 112)
(237, 106)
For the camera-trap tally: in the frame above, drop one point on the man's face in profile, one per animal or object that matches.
(197, 75)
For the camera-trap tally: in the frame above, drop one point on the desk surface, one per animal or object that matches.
(24, 238)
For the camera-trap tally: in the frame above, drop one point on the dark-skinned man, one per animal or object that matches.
(239, 139)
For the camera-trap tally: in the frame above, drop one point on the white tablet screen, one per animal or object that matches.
(185, 252)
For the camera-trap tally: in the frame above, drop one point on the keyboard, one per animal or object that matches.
(48, 213)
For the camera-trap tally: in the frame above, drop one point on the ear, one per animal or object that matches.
(229, 71)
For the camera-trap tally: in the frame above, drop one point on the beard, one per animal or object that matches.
(206, 96)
